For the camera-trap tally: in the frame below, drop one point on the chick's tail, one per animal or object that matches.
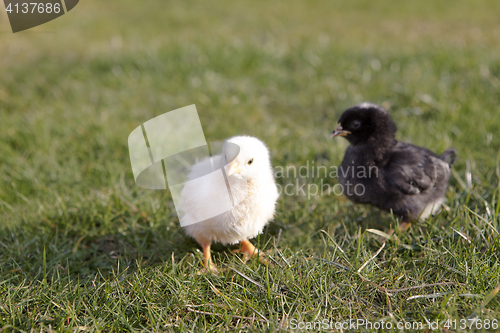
(449, 156)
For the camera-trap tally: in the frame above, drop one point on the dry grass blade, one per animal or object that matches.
(333, 263)
(436, 295)
(380, 233)
(247, 278)
(423, 286)
(205, 313)
(462, 235)
(484, 220)
(333, 241)
(390, 292)
(374, 256)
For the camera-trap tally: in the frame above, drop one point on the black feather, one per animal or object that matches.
(449, 156)
(398, 176)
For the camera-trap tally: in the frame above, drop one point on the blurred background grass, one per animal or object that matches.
(73, 89)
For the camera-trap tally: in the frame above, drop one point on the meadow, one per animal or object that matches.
(83, 248)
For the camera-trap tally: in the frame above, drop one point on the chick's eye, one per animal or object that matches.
(355, 124)
(250, 161)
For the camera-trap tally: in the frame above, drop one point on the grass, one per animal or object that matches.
(82, 248)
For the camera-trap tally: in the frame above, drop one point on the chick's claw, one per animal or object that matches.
(250, 251)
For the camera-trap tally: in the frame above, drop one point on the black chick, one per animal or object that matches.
(388, 174)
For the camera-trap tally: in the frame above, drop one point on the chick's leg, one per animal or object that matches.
(207, 262)
(249, 250)
(405, 223)
(403, 226)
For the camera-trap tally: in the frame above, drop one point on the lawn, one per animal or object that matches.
(83, 248)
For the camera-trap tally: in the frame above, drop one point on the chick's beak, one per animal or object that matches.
(233, 168)
(339, 131)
